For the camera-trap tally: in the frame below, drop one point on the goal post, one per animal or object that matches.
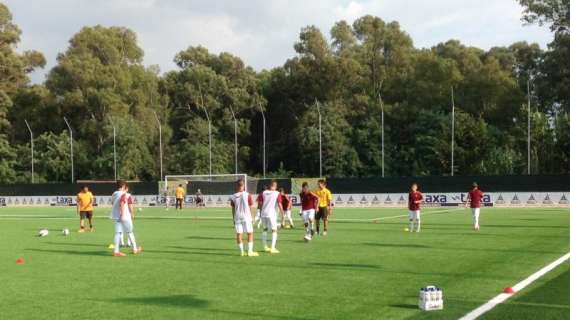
(201, 190)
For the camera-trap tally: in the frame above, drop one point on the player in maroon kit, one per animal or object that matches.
(474, 199)
(259, 201)
(309, 204)
(286, 214)
(414, 200)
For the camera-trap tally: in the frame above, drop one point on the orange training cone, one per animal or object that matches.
(20, 261)
(509, 290)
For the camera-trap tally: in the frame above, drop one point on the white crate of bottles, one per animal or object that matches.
(431, 298)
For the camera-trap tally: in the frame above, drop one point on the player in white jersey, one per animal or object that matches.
(242, 202)
(271, 201)
(123, 217)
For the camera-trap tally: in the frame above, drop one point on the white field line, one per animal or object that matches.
(395, 217)
(516, 288)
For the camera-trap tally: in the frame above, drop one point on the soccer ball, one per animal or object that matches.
(43, 233)
(139, 209)
(65, 232)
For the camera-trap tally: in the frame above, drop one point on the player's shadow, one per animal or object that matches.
(404, 306)
(346, 266)
(179, 301)
(395, 245)
(202, 249)
(209, 238)
(75, 244)
(198, 252)
(73, 252)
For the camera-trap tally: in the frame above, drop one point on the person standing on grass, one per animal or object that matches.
(85, 208)
(309, 203)
(271, 201)
(241, 203)
(123, 213)
(180, 193)
(474, 199)
(325, 206)
(415, 199)
(287, 205)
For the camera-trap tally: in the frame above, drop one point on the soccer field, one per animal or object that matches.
(364, 268)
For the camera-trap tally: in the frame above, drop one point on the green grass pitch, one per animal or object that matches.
(190, 268)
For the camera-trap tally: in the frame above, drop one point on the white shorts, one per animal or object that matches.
(124, 226)
(269, 222)
(244, 226)
(414, 215)
(308, 215)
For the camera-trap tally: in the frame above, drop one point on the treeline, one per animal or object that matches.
(100, 84)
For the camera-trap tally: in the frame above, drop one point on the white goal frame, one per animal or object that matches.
(200, 177)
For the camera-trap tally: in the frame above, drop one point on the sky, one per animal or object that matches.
(261, 32)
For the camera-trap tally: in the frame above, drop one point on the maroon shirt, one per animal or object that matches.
(475, 197)
(308, 201)
(285, 202)
(412, 198)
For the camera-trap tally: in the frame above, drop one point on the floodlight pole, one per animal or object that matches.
(209, 129)
(382, 123)
(32, 146)
(70, 148)
(263, 117)
(320, 139)
(528, 127)
(159, 142)
(235, 140)
(452, 132)
(114, 146)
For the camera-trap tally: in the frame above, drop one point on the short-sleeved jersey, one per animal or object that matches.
(308, 201)
(286, 202)
(85, 201)
(180, 192)
(269, 205)
(475, 197)
(118, 199)
(325, 197)
(241, 202)
(413, 197)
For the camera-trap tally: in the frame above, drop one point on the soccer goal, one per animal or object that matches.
(201, 190)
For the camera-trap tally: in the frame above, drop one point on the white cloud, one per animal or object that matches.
(262, 32)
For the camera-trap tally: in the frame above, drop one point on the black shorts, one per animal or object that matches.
(86, 214)
(322, 213)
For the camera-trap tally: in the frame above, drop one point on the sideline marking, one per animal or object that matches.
(517, 287)
(398, 216)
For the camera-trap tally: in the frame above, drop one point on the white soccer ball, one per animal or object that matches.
(65, 232)
(43, 233)
(139, 209)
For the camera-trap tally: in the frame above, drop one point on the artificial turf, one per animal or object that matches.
(366, 268)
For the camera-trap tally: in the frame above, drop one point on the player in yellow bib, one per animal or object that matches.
(324, 210)
(180, 193)
(85, 208)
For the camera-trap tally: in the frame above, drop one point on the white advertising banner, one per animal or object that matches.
(497, 199)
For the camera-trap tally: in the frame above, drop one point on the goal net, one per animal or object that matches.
(201, 190)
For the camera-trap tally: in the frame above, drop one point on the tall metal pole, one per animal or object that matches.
(320, 140)
(382, 123)
(71, 148)
(235, 140)
(263, 116)
(528, 128)
(159, 142)
(452, 132)
(32, 146)
(114, 147)
(209, 129)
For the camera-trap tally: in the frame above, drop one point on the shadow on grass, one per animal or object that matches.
(202, 249)
(74, 252)
(346, 265)
(76, 244)
(210, 238)
(208, 253)
(404, 306)
(179, 301)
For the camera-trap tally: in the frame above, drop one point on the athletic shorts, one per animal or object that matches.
(414, 215)
(124, 226)
(244, 226)
(323, 213)
(476, 211)
(269, 223)
(308, 215)
(86, 214)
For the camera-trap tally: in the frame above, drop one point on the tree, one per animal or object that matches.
(553, 12)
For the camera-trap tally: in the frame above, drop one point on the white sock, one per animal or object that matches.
(132, 239)
(240, 245)
(411, 225)
(264, 238)
(419, 225)
(122, 239)
(290, 219)
(250, 246)
(273, 239)
(118, 238)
